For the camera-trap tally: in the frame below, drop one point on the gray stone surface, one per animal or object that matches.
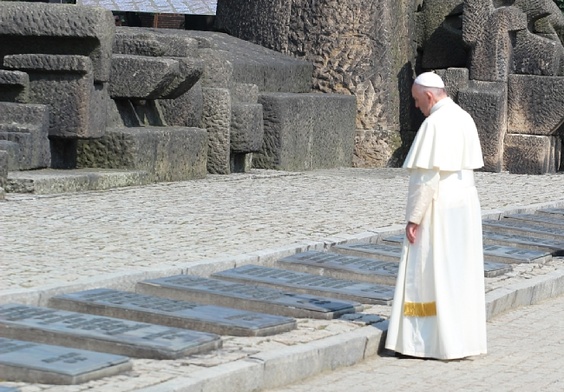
(48, 364)
(342, 267)
(247, 129)
(524, 241)
(551, 211)
(244, 296)
(166, 153)
(310, 284)
(378, 251)
(306, 131)
(554, 221)
(14, 86)
(507, 254)
(36, 27)
(105, 334)
(173, 313)
(523, 228)
(216, 119)
(532, 154)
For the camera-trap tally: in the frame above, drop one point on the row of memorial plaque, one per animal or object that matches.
(176, 316)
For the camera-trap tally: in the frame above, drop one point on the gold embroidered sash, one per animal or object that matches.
(419, 309)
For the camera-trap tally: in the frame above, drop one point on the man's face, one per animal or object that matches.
(423, 99)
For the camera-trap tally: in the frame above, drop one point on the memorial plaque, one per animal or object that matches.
(523, 228)
(382, 252)
(556, 221)
(173, 313)
(340, 266)
(247, 297)
(555, 247)
(551, 211)
(8, 389)
(395, 240)
(311, 284)
(492, 269)
(507, 254)
(105, 334)
(46, 364)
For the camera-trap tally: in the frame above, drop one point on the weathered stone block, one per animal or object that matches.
(244, 93)
(186, 110)
(375, 148)
(216, 119)
(3, 171)
(66, 84)
(455, 79)
(167, 153)
(14, 86)
(307, 131)
(487, 104)
(24, 135)
(247, 130)
(535, 104)
(530, 154)
(65, 28)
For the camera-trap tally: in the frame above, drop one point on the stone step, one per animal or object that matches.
(23, 361)
(247, 297)
(523, 228)
(173, 313)
(361, 269)
(554, 247)
(551, 211)
(508, 254)
(363, 292)
(51, 181)
(554, 220)
(105, 334)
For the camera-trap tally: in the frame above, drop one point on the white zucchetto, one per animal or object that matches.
(429, 79)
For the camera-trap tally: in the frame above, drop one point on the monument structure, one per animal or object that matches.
(288, 85)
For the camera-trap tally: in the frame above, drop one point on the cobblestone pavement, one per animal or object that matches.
(53, 241)
(525, 354)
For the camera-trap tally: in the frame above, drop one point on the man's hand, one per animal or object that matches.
(411, 231)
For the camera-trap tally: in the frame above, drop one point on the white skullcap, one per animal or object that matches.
(429, 79)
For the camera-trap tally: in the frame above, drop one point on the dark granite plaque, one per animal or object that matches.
(507, 254)
(40, 363)
(551, 211)
(383, 252)
(492, 269)
(106, 334)
(311, 284)
(340, 266)
(248, 297)
(506, 226)
(174, 313)
(556, 221)
(555, 247)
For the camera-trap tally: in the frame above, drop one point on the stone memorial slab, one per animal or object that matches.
(555, 247)
(105, 334)
(247, 297)
(505, 226)
(8, 389)
(491, 269)
(556, 221)
(383, 252)
(311, 284)
(47, 364)
(551, 211)
(396, 240)
(173, 313)
(507, 254)
(340, 266)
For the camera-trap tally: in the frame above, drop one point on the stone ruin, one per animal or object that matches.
(285, 85)
(503, 61)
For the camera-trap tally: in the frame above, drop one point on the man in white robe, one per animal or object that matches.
(439, 302)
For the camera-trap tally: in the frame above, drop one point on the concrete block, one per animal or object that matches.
(532, 154)
(247, 130)
(216, 119)
(14, 86)
(185, 110)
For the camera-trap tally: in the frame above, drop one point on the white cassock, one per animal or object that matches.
(439, 302)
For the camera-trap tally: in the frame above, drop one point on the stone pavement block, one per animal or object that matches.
(550, 211)
(173, 313)
(554, 220)
(105, 334)
(339, 266)
(48, 364)
(248, 297)
(310, 284)
(523, 228)
(554, 247)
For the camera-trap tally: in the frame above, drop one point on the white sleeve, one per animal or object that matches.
(423, 187)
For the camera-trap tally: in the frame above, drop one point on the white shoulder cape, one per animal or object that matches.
(446, 141)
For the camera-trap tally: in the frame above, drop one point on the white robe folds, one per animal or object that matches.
(439, 302)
